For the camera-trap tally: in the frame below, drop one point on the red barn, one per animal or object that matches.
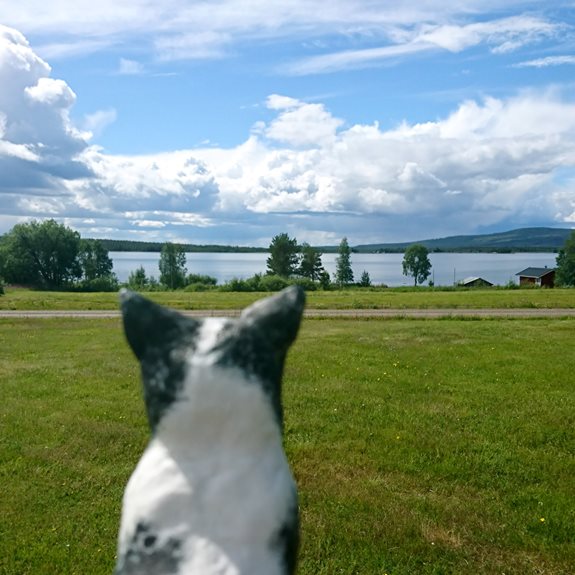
(542, 277)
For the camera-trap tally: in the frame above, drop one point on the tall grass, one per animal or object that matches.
(442, 446)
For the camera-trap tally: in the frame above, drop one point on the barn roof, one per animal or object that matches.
(472, 279)
(535, 272)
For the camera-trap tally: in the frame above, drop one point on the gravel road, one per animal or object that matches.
(318, 313)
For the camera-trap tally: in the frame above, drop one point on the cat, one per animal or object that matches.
(213, 493)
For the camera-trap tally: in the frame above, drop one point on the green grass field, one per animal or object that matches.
(398, 298)
(419, 446)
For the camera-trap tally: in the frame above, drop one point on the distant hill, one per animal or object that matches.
(521, 240)
(524, 239)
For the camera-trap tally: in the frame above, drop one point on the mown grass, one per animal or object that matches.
(395, 298)
(432, 447)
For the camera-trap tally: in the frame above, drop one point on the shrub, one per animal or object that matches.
(305, 283)
(236, 284)
(273, 283)
(100, 284)
(199, 279)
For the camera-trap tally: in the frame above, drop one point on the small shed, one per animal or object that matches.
(475, 282)
(542, 277)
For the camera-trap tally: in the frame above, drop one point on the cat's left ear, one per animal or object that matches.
(277, 317)
(151, 328)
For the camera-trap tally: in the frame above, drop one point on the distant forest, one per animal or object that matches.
(521, 240)
(135, 246)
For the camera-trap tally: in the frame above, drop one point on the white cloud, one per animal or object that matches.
(486, 162)
(548, 61)
(38, 142)
(300, 124)
(130, 67)
(180, 29)
(503, 35)
(192, 46)
(96, 122)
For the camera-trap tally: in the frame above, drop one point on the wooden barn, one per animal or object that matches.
(475, 282)
(542, 277)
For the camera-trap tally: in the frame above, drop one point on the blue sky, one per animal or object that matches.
(232, 121)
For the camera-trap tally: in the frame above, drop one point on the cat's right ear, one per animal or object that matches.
(150, 327)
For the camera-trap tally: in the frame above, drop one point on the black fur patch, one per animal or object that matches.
(148, 555)
(161, 339)
(256, 343)
(286, 540)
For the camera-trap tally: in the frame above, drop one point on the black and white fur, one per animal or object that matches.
(213, 493)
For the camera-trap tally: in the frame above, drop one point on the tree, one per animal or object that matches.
(173, 266)
(137, 279)
(343, 271)
(565, 272)
(284, 256)
(365, 280)
(310, 264)
(41, 254)
(416, 263)
(94, 260)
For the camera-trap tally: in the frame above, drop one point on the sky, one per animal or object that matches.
(231, 121)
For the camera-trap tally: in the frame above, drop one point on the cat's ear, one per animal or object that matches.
(277, 317)
(152, 327)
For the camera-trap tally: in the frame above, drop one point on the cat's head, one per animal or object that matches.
(172, 347)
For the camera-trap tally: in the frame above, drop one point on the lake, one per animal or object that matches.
(447, 268)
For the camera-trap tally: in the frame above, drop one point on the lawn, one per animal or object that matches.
(419, 446)
(396, 298)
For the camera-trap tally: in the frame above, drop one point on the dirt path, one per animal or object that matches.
(319, 313)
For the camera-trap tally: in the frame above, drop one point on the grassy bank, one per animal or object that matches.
(22, 299)
(424, 447)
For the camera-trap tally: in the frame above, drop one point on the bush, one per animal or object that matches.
(236, 284)
(305, 283)
(101, 284)
(273, 283)
(199, 279)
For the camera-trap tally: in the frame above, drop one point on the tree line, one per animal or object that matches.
(49, 255)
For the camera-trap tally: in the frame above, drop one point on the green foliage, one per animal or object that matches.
(139, 246)
(324, 280)
(41, 255)
(96, 265)
(243, 285)
(94, 260)
(310, 265)
(138, 280)
(416, 263)
(565, 272)
(343, 271)
(201, 279)
(107, 283)
(283, 260)
(198, 282)
(173, 266)
(273, 283)
(365, 280)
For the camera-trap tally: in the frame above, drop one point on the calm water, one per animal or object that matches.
(382, 268)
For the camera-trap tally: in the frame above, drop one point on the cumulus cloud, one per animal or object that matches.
(304, 171)
(38, 143)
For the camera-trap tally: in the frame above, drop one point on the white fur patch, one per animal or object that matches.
(215, 476)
